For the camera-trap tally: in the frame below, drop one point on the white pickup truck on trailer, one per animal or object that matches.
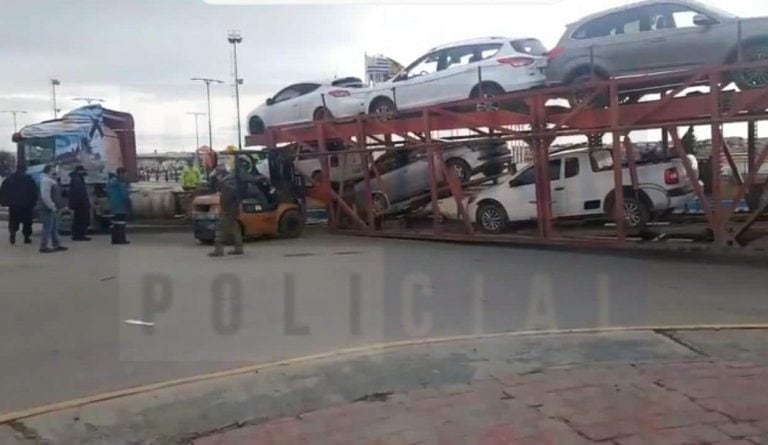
(582, 184)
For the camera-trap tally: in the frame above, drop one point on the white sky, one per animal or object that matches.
(140, 54)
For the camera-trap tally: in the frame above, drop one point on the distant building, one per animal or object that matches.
(380, 68)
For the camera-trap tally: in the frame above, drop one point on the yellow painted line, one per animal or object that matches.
(83, 401)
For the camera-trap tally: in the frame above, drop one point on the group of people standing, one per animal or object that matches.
(21, 194)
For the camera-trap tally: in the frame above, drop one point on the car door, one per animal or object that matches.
(409, 175)
(308, 101)
(521, 201)
(626, 44)
(576, 194)
(678, 41)
(598, 181)
(623, 42)
(415, 86)
(284, 106)
(382, 177)
(460, 69)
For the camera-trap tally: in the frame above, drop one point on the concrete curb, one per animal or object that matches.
(176, 412)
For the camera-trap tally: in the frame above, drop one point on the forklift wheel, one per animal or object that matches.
(291, 224)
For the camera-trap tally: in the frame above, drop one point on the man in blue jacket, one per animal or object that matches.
(120, 204)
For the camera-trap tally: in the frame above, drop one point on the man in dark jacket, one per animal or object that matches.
(80, 204)
(19, 194)
(229, 210)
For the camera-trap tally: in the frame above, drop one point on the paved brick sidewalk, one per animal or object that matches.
(672, 403)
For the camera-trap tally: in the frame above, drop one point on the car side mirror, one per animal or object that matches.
(703, 20)
(270, 101)
(513, 183)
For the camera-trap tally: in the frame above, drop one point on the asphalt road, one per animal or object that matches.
(63, 330)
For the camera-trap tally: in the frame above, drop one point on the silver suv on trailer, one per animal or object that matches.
(658, 36)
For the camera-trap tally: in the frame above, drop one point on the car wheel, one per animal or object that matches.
(577, 98)
(492, 218)
(382, 105)
(256, 125)
(461, 168)
(291, 224)
(322, 114)
(488, 92)
(636, 214)
(755, 78)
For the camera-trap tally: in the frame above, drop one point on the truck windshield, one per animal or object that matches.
(37, 151)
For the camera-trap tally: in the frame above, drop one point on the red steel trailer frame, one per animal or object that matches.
(538, 126)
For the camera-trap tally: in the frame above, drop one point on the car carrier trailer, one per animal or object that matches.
(546, 120)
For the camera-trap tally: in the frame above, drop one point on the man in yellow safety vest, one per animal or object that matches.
(190, 177)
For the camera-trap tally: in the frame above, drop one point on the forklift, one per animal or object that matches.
(272, 200)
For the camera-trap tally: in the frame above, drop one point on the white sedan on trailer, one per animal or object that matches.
(308, 102)
(463, 70)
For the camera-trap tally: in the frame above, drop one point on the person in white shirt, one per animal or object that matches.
(50, 197)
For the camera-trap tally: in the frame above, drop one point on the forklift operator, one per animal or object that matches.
(256, 187)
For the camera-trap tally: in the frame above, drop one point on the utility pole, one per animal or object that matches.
(54, 84)
(197, 128)
(208, 83)
(14, 113)
(235, 38)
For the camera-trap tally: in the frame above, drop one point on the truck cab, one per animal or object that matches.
(99, 139)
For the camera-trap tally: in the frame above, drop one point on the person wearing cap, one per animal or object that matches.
(229, 210)
(79, 204)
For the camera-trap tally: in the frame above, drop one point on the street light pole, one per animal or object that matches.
(197, 136)
(197, 128)
(14, 113)
(208, 83)
(235, 38)
(54, 84)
